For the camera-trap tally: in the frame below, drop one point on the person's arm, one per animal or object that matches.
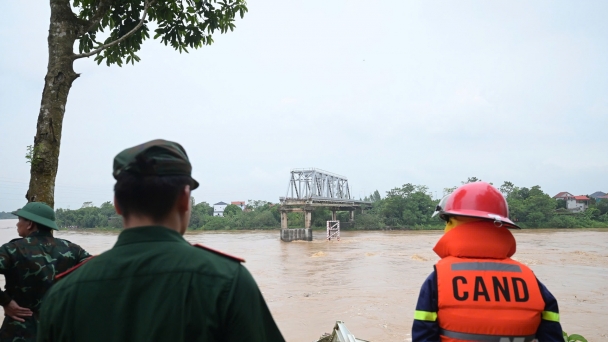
(11, 308)
(426, 327)
(549, 330)
(248, 317)
(81, 254)
(6, 263)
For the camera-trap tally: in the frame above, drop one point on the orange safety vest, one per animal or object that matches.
(484, 295)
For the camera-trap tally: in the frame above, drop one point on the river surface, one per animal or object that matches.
(371, 279)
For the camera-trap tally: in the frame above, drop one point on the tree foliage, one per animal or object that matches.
(112, 31)
(231, 210)
(182, 24)
(5, 216)
(103, 216)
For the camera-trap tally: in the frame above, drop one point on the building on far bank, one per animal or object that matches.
(240, 204)
(218, 209)
(573, 203)
(582, 203)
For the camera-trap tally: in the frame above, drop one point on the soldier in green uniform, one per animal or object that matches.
(153, 285)
(29, 265)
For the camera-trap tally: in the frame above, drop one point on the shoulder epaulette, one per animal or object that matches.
(72, 269)
(198, 245)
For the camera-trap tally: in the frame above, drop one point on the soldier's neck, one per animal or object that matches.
(173, 221)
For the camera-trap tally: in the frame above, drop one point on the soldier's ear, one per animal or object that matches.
(183, 200)
(117, 207)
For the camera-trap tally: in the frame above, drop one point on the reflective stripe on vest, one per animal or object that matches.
(551, 316)
(485, 266)
(425, 316)
(486, 338)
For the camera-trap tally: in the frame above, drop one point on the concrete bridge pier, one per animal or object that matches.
(307, 218)
(293, 234)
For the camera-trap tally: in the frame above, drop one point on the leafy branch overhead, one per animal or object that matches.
(183, 24)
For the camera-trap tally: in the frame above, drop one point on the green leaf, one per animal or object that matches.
(576, 338)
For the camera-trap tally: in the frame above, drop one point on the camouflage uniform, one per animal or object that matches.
(30, 265)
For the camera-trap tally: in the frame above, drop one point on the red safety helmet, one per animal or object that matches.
(477, 199)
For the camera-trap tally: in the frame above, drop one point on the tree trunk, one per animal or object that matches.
(63, 31)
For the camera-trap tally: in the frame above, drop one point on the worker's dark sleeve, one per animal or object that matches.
(5, 265)
(247, 316)
(426, 328)
(549, 330)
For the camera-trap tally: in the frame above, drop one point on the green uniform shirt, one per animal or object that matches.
(29, 266)
(154, 286)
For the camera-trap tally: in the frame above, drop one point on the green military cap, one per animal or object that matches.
(38, 212)
(154, 158)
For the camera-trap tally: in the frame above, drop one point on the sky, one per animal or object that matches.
(384, 93)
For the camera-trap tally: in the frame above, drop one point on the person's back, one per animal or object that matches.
(153, 285)
(30, 265)
(477, 292)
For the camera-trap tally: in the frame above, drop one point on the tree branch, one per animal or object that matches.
(88, 25)
(127, 35)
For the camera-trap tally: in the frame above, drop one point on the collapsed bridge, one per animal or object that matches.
(312, 188)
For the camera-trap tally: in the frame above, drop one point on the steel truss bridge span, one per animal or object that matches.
(312, 188)
(316, 183)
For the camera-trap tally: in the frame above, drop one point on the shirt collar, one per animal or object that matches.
(40, 233)
(148, 234)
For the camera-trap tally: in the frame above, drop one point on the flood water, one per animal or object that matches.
(371, 279)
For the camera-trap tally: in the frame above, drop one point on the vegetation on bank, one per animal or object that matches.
(573, 337)
(6, 216)
(406, 207)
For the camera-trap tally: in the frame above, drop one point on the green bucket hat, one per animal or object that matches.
(38, 212)
(154, 158)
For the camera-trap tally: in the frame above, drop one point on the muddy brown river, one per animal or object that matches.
(371, 279)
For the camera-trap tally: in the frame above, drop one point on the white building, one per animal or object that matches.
(573, 203)
(582, 203)
(218, 208)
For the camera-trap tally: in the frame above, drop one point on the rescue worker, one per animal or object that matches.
(477, 292)
(153, 285)
(29, 265)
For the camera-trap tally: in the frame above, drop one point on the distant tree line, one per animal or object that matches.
(6, 216)
(89, 216)
(409, 206)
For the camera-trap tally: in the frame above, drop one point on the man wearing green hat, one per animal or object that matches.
(153, 285)
(30, 265)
